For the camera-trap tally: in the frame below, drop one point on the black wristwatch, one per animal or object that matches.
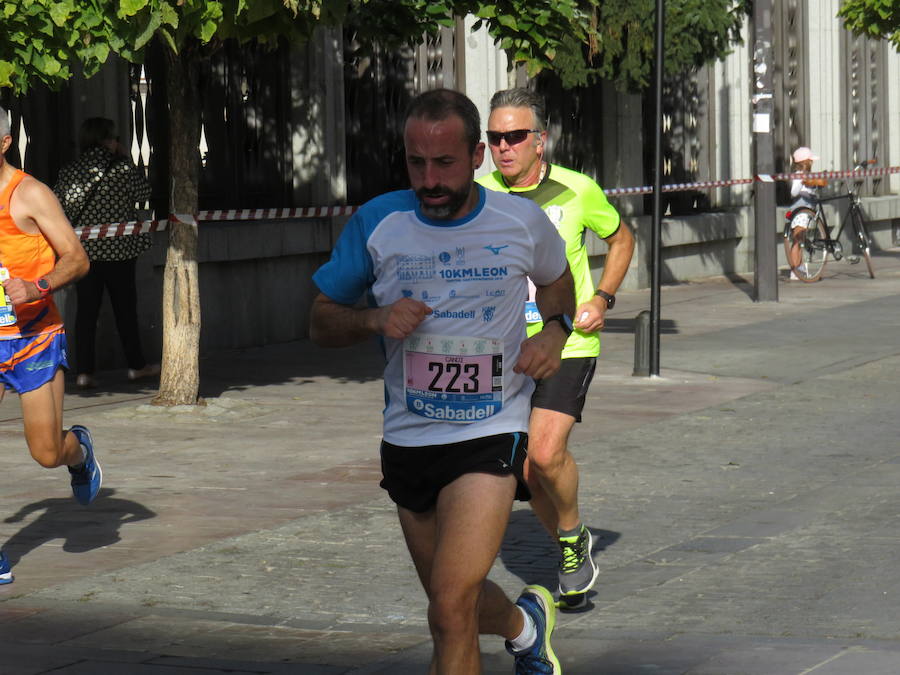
(43, 286)
(610, 299)
(564, 320)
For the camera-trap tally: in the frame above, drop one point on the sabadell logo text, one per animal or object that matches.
(451, 414)
(462, 314)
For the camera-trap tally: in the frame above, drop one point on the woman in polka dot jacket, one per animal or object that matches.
(103, 186)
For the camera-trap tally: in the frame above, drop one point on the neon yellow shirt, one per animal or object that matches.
(575, 204)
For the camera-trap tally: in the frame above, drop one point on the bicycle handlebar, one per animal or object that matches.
(851, 193)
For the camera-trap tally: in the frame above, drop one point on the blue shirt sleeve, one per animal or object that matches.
(347, 275)
(350, 272)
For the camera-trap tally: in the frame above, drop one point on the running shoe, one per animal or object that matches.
(86, 481)
(538, 659)
(577, 571)
(85, 381)
(801, 268)
(6, 575)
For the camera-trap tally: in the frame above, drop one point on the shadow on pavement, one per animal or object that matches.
(82, 529)
(298, 362)
(666, 326)
(529, 553)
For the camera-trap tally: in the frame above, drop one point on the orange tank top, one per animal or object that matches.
(26, 256)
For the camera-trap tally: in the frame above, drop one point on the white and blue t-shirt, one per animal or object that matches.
(453, 379)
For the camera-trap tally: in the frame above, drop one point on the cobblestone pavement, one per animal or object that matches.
(745, 504)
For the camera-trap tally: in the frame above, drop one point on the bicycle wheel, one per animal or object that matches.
(812, 248)
(863, 240)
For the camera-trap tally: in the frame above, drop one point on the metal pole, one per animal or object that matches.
(656, 236)
(642, 344)
(765, 277)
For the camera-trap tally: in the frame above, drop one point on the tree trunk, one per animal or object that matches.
(180, 377)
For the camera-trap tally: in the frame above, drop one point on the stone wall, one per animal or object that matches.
(256, 286)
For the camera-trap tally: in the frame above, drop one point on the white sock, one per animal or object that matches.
(528, 635)
(83, 456)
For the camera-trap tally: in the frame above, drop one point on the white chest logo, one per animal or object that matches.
(555, 214)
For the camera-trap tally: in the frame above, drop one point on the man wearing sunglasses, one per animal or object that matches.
(574, 203)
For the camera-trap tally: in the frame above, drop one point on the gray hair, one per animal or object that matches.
(520, 97)
(4, 123)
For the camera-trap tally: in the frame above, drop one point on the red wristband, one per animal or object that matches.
(43, 286)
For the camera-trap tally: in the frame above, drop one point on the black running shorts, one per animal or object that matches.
(565, 392)
(413, 477)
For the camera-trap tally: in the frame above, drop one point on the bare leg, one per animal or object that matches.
(453, 547)
(42, 412)
(551, 470)
(798, 234)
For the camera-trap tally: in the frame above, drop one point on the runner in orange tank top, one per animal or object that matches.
(26, 255)
(40, 253)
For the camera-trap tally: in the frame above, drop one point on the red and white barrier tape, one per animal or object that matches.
(139, 227)
(275, 214)
(677, 187)
(119, 229)
(762, 178)
(133, 227)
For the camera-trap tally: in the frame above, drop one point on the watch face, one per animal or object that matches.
(43, 285)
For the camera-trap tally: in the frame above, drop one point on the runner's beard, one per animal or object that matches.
(449, 208)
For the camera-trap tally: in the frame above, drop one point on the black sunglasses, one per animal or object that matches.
(513, 137)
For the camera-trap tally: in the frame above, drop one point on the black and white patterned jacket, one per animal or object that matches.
(119, 189)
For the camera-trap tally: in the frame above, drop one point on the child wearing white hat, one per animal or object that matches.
(804, 192)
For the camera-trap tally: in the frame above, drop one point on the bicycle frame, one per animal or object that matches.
(829, 243)
(818, 242)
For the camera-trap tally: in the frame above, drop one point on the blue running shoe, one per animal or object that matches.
(539, 657)
(6, 575)
(86, 481)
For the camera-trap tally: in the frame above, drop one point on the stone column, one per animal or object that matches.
(484, 73)
(317, 118)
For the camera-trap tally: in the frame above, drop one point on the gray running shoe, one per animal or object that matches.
(577, 571)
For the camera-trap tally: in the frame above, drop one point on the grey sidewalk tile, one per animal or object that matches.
(201, 666)
(744, 504)
(100, 668)
(770, 658)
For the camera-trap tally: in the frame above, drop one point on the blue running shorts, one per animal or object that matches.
(29, 363)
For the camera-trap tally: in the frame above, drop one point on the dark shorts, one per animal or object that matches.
(413, 477)
(565, 392)
(29, 363)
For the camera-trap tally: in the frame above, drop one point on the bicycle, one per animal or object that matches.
(815, 242)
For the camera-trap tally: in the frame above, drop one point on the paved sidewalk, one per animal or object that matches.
(746, 504)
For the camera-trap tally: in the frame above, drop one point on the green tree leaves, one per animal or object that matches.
(44, 38)
(696, 32)
(876, 18)
(580, 39)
